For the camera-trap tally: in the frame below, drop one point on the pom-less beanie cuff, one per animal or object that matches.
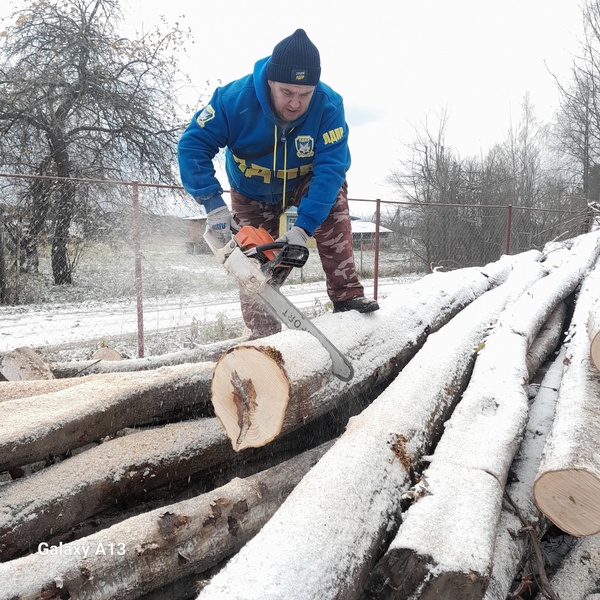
(295, 60)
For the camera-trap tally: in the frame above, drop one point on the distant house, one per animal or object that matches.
(363, 235)
(196, 243)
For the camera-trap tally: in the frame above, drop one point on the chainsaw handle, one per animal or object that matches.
(270, 246)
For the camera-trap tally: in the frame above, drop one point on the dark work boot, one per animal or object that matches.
(360, 303)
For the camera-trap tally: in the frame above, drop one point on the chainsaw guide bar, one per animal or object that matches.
(261, 269)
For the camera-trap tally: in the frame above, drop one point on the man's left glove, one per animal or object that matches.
(296, 236)
(220, 222)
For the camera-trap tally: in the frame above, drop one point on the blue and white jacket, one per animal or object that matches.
(262, 160)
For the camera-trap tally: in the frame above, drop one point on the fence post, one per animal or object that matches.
(377, 239)
(508, 228)
(138, 268)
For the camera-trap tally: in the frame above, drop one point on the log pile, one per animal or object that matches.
(246, 470)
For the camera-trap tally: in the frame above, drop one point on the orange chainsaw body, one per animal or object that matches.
(249, 237)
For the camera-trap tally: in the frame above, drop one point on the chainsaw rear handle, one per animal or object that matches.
(289, 255)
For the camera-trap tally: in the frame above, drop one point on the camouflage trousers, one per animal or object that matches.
(334, 244)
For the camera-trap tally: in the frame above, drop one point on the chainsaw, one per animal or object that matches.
(261, 265)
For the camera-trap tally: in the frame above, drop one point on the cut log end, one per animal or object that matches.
(250, 393)
(571, 500)
(593, 326)
(595, 350)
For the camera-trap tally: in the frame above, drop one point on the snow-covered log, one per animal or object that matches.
(59, 497)
(325, 538)
(150, 550)
(594, 333)
(273, 385)
(510, 547)
(567, 486)
(38, 426)
(12, 390)
(578, 575)
(547, 339)
(448, 535)
(206, 353)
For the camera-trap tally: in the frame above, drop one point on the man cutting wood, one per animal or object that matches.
(286, 143)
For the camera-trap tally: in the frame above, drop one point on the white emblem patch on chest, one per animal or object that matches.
(305, 146)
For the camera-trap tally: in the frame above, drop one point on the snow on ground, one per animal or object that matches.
(54, 324)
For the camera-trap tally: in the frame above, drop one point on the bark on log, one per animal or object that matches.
(38, 426)
(338, 535)
(153, 549)
(547, 339)
(577, 577)
(206, 353)
(510, 547)
(55, 499)
(594, 333)
(13, 390)
(478, 446)
(567, 486)
(23, 364)
(270, 386)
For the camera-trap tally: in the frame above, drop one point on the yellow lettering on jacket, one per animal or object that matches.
(258, 171)
(241, 163)
(334, 135)
(289, 173)
(254, 170)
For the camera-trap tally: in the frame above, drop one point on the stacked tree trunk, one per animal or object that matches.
(567, 487)
(594, 334)
(124, 484)
(261, 390)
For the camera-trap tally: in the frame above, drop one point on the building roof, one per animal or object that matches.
(367, 227)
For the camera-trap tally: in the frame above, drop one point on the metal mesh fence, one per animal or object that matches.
(136, 277)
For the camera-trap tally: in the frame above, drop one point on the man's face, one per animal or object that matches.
(290, 101)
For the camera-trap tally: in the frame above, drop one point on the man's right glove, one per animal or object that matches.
(220, 222)
(295, 236)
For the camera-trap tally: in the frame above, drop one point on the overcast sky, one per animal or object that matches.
(397, 63)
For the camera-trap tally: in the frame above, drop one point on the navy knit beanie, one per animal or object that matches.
(295, 60)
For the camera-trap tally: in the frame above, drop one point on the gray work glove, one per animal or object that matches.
(220, 222)
(296, 236)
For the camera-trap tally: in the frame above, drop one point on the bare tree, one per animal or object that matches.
(79, 100)
(458, 207)
(578, 120)
(448, 226)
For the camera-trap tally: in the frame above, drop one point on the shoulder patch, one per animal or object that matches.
(334, 135)
(206, 115)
